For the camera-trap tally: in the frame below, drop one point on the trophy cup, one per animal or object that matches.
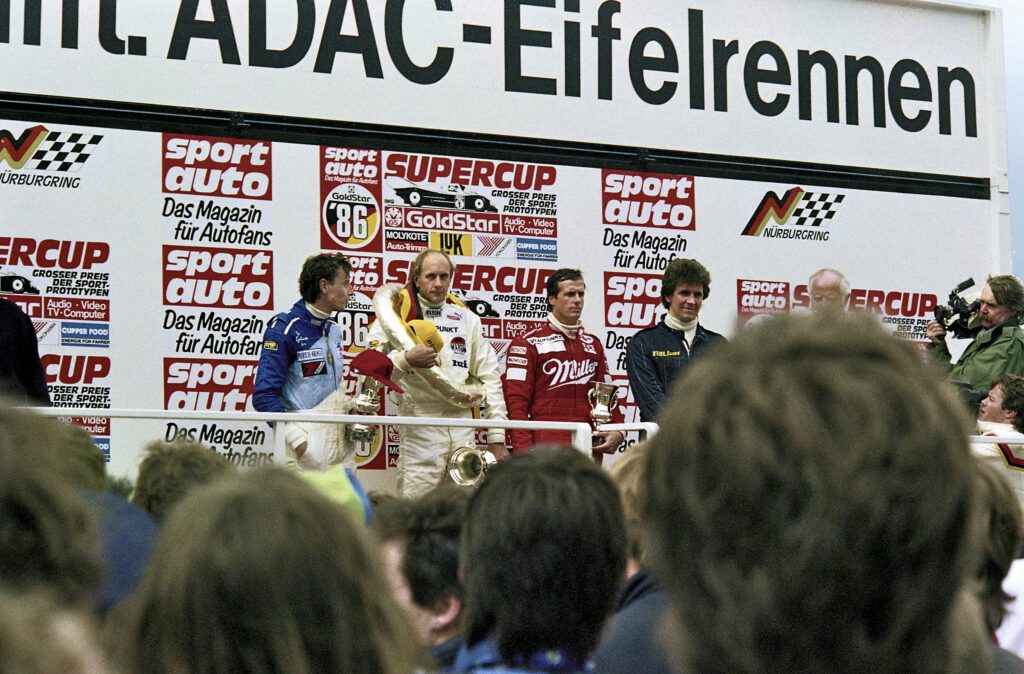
(603, 399)
(367, 402)
(376, 369)
(468, 466)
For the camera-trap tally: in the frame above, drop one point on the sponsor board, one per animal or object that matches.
(240, 443)
(647, 200)
(642, 249)
(350, 209)
(755, 298)
(468, 245)
(219, 167)
(631, 300)
(38, 156)
(529, 248)
(85, 334)
(212, 332)
(207, 384)
(97, 427)
(218, 277)
(77, 380)
(470, 207)
(797, 215)
(209, 221)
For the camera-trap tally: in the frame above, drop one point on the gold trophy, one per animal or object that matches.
(603, 399)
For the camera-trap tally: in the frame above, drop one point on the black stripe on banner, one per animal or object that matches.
(485, 146)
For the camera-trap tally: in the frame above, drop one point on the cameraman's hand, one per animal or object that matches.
(935, 332)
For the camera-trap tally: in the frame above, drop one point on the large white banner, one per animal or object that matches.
(150, 263)
(820, 81)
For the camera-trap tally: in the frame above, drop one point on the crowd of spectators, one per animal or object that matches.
(811, 503)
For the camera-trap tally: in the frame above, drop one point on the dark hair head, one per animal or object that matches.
(428, 528)
(170, 471)
(260, 573)
(560, 275)
(1012, 386)
(48, 535)
(316, 267)
(680, 271)
(1002, 526)
(544, 550)
(1007, 291)
(808, 499)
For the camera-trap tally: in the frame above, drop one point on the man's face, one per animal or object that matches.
(827, 294)
(434, 278)
(991, 312)
(685, 302)
(567, 305)
(334, 295)
(992, 407)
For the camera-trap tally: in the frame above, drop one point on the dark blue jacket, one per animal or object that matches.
(656, 357)
(633, 643)
(301, 362)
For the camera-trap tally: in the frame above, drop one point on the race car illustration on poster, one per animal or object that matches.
(446, 196)
(12, 283)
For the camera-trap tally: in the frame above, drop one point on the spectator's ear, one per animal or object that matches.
(445, 613)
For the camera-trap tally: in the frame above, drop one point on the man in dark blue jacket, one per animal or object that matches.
(302, 359)
(656, 356)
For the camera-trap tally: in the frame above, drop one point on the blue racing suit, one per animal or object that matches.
(301, 362)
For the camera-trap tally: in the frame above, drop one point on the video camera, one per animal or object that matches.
(956, 316)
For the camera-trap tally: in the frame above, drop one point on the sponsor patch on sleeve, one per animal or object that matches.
(515, 374)
(516, 360)
(270, 345)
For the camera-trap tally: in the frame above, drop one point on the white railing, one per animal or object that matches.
(581, 432)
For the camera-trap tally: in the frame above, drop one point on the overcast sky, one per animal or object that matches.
(1013, 39)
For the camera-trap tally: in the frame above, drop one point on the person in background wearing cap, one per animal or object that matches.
(465, 355)
(550, 370)
(302, 359)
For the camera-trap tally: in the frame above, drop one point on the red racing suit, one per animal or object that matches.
(547, 378)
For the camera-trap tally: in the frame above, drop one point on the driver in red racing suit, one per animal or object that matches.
(550, 370)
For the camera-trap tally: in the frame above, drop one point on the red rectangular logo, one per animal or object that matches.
(218, 277)
(217, 167)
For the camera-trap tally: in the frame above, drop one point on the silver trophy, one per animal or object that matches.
(603, 399)
(367, 402)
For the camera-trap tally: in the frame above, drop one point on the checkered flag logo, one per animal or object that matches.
(63, 151)
(816, 208)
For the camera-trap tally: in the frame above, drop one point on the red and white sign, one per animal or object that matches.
(72, 369)
(204, 384)
(52, 253)
(631, 300)
(761, 297)
(218, 277)
(647, 199)
(216, 167)
(478, 172)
